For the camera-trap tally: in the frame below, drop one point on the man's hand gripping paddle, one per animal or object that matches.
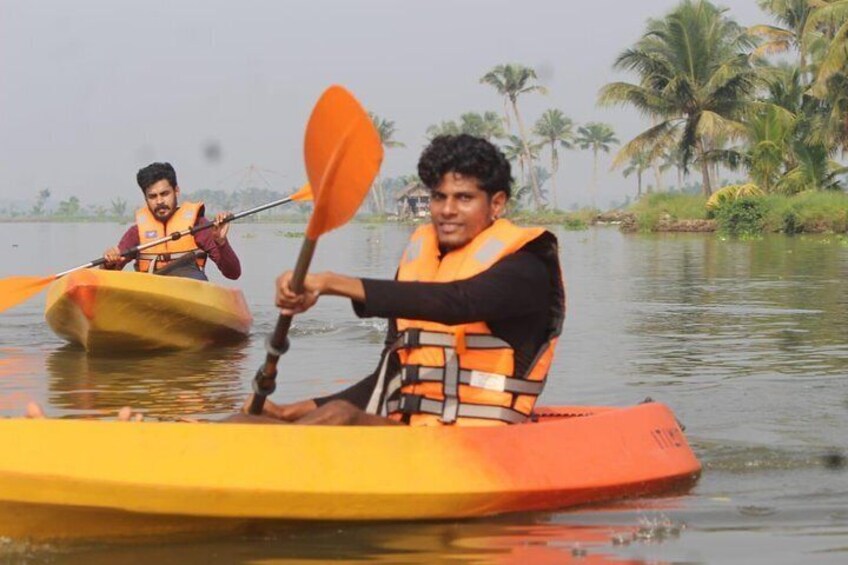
(15, 290)
(343, 152)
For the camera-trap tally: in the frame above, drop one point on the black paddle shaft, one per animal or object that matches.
(277, 344)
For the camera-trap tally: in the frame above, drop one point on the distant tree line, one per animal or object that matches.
(715, 98)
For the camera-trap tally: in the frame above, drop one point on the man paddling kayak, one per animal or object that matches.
(162, 216)
(474, 311)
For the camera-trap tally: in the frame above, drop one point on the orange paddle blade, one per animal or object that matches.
(14, 290)
(305, 193)
(343, 152)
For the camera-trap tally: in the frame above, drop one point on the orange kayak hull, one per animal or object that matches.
(104, 474)
(127, 311)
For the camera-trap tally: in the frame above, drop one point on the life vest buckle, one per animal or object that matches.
(409, 403)
(412, 337)
(410, 375)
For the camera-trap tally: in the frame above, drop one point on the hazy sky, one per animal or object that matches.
(92, 90)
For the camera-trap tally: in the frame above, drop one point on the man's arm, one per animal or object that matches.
(357, 395)
(222, 254)
(114, 262)
(516, 286)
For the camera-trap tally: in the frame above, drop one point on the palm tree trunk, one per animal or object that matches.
(638, 184)
(658, 176)
(521, 166)
(554, 167)
(377, 196)
(705, 168)
(537, 196)
(594, 175)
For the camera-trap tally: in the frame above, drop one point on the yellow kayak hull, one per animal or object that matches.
(72, 478)
(127, 311)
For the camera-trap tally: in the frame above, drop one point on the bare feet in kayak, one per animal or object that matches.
(125, 414)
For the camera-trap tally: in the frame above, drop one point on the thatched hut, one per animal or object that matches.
(413, 201)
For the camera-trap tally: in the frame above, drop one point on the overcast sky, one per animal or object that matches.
(92, 90)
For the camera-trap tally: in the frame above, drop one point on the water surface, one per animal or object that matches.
(746, 341)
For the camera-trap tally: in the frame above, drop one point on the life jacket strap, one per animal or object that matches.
(415, 374)
(450, 388)
(377, 402)
(415, 404)
(154, 258)
(416, 337)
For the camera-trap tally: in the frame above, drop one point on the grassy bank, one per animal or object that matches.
(577, 220)
(806, 212)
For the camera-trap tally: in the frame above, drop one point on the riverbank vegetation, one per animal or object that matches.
(741, 215)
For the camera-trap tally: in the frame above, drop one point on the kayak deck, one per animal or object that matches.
(127, 311)
(115, 473)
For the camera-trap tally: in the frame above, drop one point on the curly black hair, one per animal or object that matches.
(469, 156)
(153, 173)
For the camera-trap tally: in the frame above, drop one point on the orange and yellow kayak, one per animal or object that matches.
(126, 311)
(85, 478)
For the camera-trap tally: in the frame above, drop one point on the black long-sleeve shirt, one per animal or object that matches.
(514, 297)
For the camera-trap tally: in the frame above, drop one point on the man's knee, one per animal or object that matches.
(333, 413)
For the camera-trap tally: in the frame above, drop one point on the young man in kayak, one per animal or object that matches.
(162, 216)
(474, 311)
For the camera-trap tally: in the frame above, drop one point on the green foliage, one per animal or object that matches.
(487, 125)
(119, 207)
(808, 212)
(69, 208)
(732, 192)
(652, 208)
(695, 78)
(577, 220)
(575, 223)
(742, 217)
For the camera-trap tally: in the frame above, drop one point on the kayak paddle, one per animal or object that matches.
(15, 290)
(343, 152)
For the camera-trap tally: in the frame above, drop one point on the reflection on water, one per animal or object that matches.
(172, 384)
(520, 538)
(699, 299)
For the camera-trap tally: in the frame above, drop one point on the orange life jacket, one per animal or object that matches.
(151, 229)
(462, 374)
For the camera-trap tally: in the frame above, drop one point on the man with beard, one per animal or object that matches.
(164, 215)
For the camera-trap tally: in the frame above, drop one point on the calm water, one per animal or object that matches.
(746, 341)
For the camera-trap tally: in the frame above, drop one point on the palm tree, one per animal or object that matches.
(119, 207)
(597, 137)
(639, 163)
(511, 81)
(792, 14)
(514, 152)
(487, 125)
(826, 31)
(40, 201)
(386, 130)
(69, 208)
(769, 130)
(449, 127)
(696, 79)
(557, 130)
